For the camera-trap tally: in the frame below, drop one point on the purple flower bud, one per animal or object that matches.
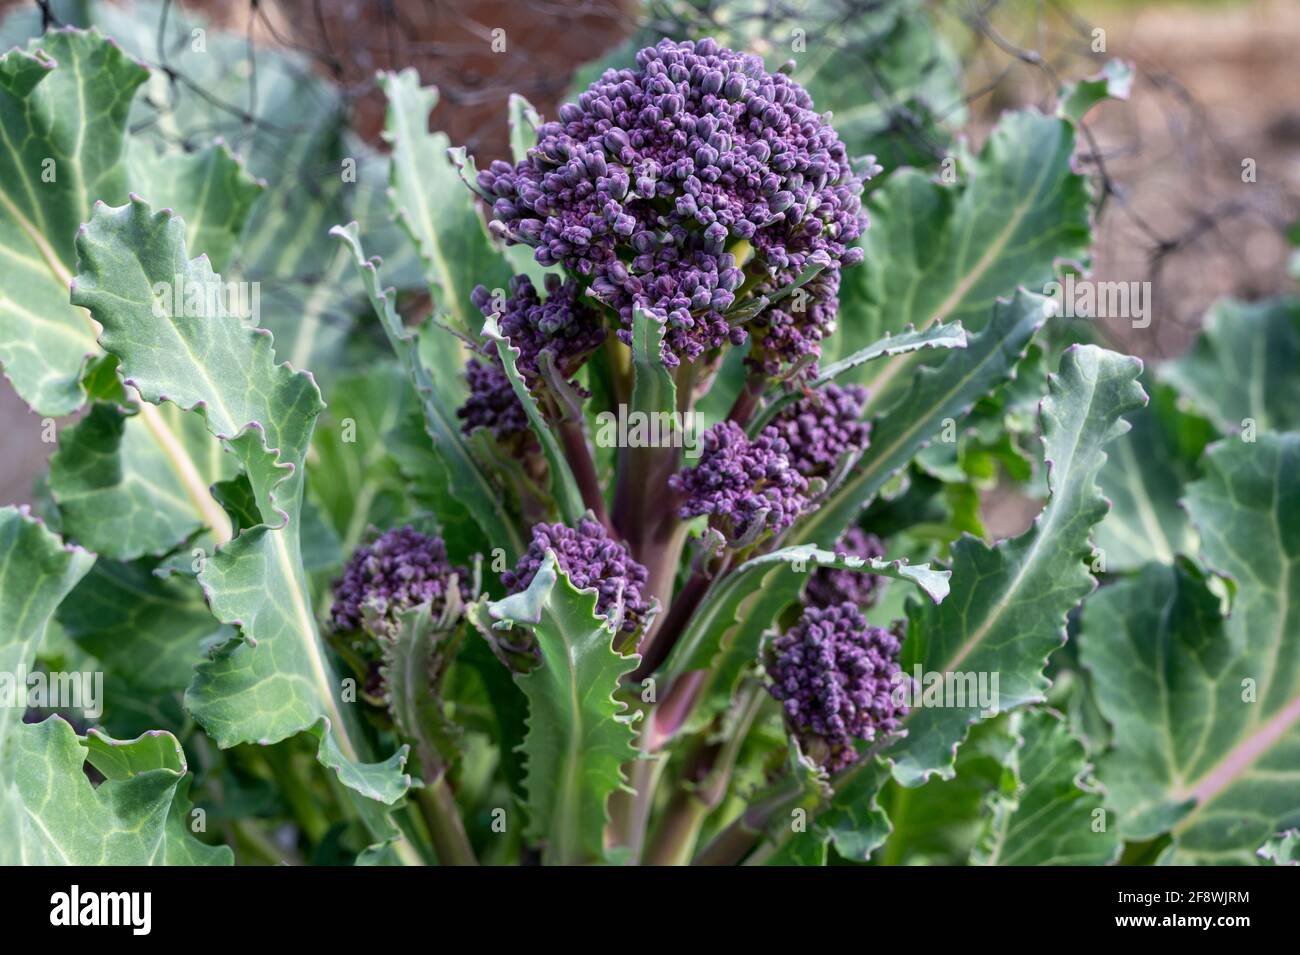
(746, 487)
(822, 427)
(591, 559)
(616, 141)
(400, 570)
(836, 677)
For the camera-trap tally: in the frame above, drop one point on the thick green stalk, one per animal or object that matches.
(701, 789)
(446, 828)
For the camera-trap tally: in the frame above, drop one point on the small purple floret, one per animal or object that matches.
(834, 675)
(591, 559)
(822, 427)
(746, 486)
(398, 571)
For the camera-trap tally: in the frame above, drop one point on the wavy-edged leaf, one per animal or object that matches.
(63, 110)
(909, 340)
(1206, 710)
(148, 630)
(50, 814)
(467, 482)
(415, 658)
(277, 681)
(1282, 849)
(939, 823)
(1050, 812)
(36, 572)
(1006, 612)
(1113, 81)
(353, 447)
(293, 130)
(210, 189)
(653, 390)
(1243, 365)
(433, 204)
(937, 252)
(134, 485)
(947, 390)
(854, 820)
(1144, 476)
(579, 737)
(564, 489)
(524, 120)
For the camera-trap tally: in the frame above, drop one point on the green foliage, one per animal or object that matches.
(213, 487)
(579, 736)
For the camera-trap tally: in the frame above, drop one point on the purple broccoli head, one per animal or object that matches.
(659, 175)
(747, 487)
(822, 427)
(398, 571)
(829, 586)
(835, 676)
(591, 559)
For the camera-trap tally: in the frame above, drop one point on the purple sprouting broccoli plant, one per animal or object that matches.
(829, 586)
(662, 411)
(836, 677)
(591, 559)
(673, 183)
(746, 487)
(399, 571)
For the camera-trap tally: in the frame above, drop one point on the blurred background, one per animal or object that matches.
(1214, 87)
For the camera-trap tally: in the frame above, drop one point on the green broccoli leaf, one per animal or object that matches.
(1144, 477)
(277, 680)
(936, 252)
(578, 736)
(468, 486)
(434, 206)
(1243, 366)
(1206, 708)
(564, 489)
(945, 391)
(148, 630)
(50, 814)
(67, 89)
(1006, 612)
(1050, 811)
